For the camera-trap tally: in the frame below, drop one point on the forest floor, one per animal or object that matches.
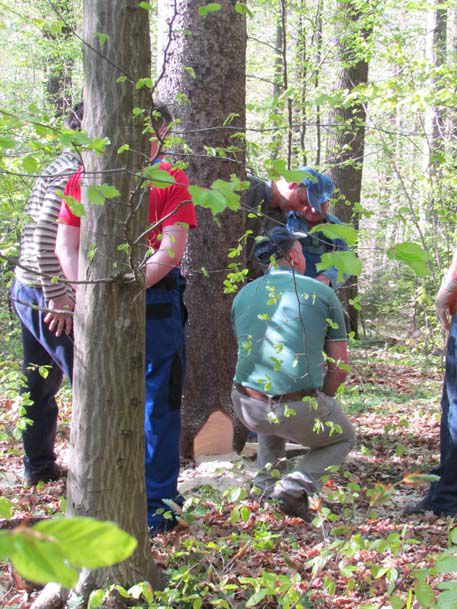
(360, 551)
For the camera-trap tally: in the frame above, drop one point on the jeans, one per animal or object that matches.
(442, 496)
(165, 367)
(41, 348)
(275, 424)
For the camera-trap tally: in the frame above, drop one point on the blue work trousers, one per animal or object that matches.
(442, 496)
(41, 348)
(165, 368)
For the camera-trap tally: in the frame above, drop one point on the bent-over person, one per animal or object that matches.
(288, 327)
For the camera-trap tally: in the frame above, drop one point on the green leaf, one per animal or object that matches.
(95, 196)
(139, 590)
(98, 144)
(212, 7)
(279, 168)
(146, 5)
(447, 600)
(345, 262)
(41, 561)
(109, 192)
(96, 598)
(191, 72)
(6, 511)
(415, 478)
(412, 255)
(6, 545)
(209, 199)
(235, 515)
(257, 597)
(446, 564)
(242, 9)
(227, 189)
(76, 207)
(346, 232)
(30, 164)
(424, 594)
(245, 513)
(123, 148)
(7, 142)
(102, 38)
(144, 82)
(56, 27)
(158, 177)
(89, 543)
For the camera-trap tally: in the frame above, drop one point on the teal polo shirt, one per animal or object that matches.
(282, 322)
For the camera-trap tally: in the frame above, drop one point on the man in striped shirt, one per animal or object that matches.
(43, 303)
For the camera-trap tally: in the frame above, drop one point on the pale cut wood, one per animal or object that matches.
(215, 437)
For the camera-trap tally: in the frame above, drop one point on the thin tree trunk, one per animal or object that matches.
(317, 68)
(106, 477)
(277, 87)
(346, 142)
(302, 52)
(216, 51)
(59, 67)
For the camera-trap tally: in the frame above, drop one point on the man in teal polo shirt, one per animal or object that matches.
(289, 328)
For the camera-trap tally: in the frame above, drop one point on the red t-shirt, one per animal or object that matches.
(174, 200)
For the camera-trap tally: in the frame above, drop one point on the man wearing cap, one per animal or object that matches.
(301, 207)
(287, 326)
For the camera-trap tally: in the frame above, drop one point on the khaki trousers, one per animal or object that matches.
(318, 423)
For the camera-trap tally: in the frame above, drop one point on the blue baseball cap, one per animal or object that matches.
(318, 186)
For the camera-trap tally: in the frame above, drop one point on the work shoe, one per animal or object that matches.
(293, 506)
(51, 474)
(420, 507)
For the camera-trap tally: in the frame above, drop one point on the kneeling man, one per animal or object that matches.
(289, 328)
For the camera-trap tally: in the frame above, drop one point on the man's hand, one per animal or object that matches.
(445, 299)
(59, 318)
(323, 279)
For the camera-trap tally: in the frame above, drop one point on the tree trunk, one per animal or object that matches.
(277, 88)
(60, 66)
(434, 116)
(214, 46)
(106, 477)
(347, 137)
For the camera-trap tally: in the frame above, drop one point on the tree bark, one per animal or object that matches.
(106, 476)
(59, 65)
(214, 46)
(436, 41)
(347, 136)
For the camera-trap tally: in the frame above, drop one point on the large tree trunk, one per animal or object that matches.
(347, 137)
(106, 477)
(214, 47)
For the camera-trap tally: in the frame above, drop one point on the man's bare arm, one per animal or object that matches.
(67, 250)
(169, 254)
(447, 294)
(337, 351)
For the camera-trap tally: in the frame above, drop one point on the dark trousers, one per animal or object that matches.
(442, 496)
(165, 366)
(42, 349)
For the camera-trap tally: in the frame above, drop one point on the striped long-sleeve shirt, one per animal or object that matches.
(39, 265)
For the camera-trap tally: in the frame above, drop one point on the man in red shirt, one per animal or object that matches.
(172, 214)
